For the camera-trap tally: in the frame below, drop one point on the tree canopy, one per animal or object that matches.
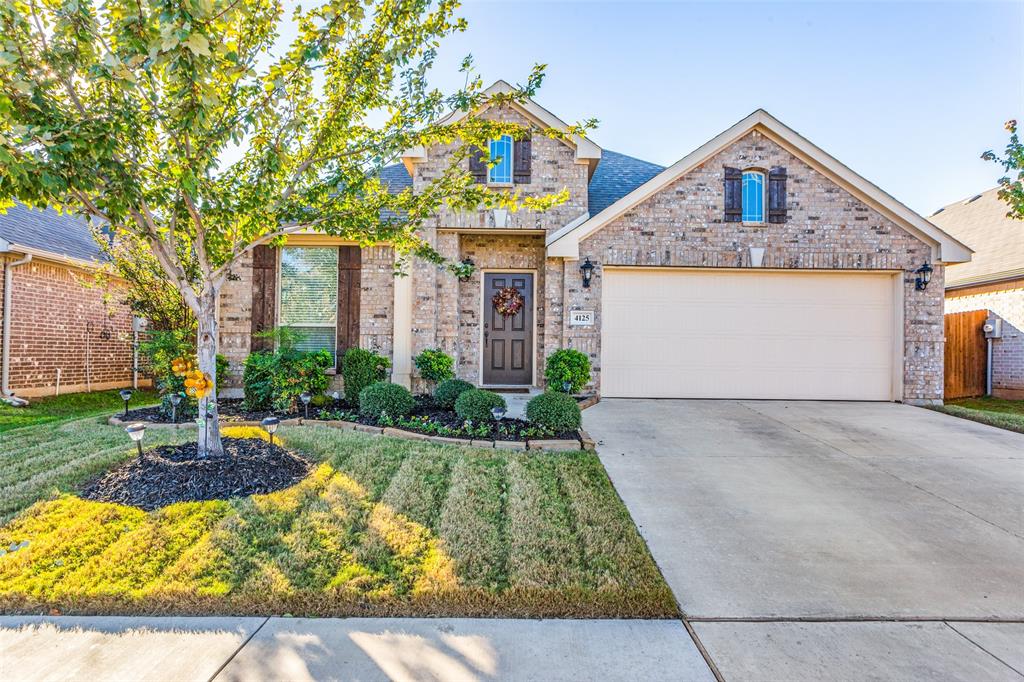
(1011, 186)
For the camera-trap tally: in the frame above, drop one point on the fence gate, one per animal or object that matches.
(965, 354)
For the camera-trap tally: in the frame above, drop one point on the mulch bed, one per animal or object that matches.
(174, 473)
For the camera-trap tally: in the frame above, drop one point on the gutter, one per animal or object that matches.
(6, 395)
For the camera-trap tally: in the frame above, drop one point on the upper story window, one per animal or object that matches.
(753, 197)
(501, 156)
(309, 295)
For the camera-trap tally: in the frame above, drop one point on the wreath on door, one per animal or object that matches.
(508, 301)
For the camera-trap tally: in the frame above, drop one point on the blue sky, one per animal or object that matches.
(907, 95)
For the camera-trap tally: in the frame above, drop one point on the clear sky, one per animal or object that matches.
(908, 95)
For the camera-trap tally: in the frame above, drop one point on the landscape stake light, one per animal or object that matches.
(498, 413)
(924, 275)
(126, 395)
(566, 386)
(337, 396)
(136, 432)
(305, 398)
(175, 399)
(588, 271)
(271, 424)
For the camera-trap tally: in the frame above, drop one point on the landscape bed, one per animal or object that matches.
(379, 526)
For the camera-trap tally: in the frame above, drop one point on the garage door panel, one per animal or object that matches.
(689, 334)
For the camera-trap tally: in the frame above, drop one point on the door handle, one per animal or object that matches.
(485, 337)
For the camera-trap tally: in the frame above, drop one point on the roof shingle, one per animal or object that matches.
(981, 223)
(47, 230)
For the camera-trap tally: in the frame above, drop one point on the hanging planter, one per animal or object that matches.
(508, 301)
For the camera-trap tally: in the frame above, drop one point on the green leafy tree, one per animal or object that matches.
(186, 126)
(1011, 186)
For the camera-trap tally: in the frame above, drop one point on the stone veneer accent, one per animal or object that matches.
(1006, 300)
(827, 228)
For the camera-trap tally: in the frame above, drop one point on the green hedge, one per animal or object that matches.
(359, 369)
(569, 365)
(475, 405)
(556, 411)
(381, 398)
(449, 390)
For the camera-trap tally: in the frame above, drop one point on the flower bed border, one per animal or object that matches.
(582, 442)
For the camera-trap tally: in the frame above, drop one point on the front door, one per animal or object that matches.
(508, 341)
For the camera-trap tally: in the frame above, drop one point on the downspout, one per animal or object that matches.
(6, 395)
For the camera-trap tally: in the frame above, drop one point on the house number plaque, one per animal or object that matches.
(581, 318)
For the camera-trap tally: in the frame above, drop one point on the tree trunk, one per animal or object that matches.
(206, 347)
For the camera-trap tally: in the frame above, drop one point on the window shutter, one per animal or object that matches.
(777, 195)
(733, 195)
(349, 287)
(264, 294)
(477, 165)
(522, 160)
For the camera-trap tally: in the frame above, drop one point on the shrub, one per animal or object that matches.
(448, 391)
(360, 368)
(475, 404)
(158, 352)
(556, 411)
(274, 379)
(569, 365)
(382, 398)
(435, 365)
(258, 381)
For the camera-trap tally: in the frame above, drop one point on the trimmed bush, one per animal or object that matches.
(556, 411)
(435, 365)
(569, 365)
(258, 380)
(359, 369)
(449, 390)
(383, 398)
(475, 404)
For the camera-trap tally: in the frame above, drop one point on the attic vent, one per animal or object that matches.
(939, 211)
(974, 198)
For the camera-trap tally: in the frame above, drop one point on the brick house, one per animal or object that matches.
(757, 266)
(61, 332)
(993, 280)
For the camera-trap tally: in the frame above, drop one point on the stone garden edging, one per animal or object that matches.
(583, 442)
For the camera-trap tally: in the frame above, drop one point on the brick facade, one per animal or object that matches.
(1005, 300)
(62, 321)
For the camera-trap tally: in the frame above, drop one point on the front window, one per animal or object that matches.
(753, 197)
(501, 156)
(309, 295)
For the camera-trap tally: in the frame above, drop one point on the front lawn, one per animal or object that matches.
(380, 527)
(67, 407)
(1006, 414)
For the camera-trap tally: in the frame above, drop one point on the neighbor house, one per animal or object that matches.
(62, 331)
(757, 266)
(993, 280)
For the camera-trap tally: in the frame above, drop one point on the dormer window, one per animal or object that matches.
(753, 197)
(501, 156)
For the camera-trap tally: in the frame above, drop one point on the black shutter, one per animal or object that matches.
(477, 165)
(264, 296)
(733, 195)
(777, 195)
(522, 161)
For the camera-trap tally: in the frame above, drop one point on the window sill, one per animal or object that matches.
(754, 224)
(501, 185)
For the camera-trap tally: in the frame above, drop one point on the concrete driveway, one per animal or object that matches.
(807, 540)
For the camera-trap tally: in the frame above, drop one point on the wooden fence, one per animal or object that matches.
(965, 354)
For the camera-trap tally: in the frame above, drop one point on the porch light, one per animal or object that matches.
(588, 271)
(175, 399)
(924, 275)
(270, 424)
(126, 395)
(305, 398)
(136, 432)
(498, 413)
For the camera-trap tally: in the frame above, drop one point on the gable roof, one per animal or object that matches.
(586, 150)
(49, 232)
(565, 242)
(998, 240)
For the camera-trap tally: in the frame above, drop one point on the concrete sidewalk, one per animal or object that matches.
(182, 649)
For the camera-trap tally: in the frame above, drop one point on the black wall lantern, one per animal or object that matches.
(588, 271)
(924, 275)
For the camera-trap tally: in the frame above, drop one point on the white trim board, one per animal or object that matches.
(565, 242)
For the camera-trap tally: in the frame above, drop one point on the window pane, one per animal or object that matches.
(309, 294)
(501, 151)
(753, 198)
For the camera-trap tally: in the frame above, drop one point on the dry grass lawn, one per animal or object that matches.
(380, 527)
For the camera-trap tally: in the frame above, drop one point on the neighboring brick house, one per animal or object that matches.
(63, 327)
(756, 267)
(993, 280)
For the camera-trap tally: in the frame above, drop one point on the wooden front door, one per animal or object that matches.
(508, 341)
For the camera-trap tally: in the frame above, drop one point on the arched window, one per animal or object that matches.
(753, 197)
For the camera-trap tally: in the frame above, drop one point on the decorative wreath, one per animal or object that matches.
(508, 301)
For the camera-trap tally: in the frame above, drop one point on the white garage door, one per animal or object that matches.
(671, 333)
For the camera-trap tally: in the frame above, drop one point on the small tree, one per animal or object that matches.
(180, 125)
(1011, 186)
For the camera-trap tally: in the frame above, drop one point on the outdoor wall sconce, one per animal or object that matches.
(588, 272)
(924, 275)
